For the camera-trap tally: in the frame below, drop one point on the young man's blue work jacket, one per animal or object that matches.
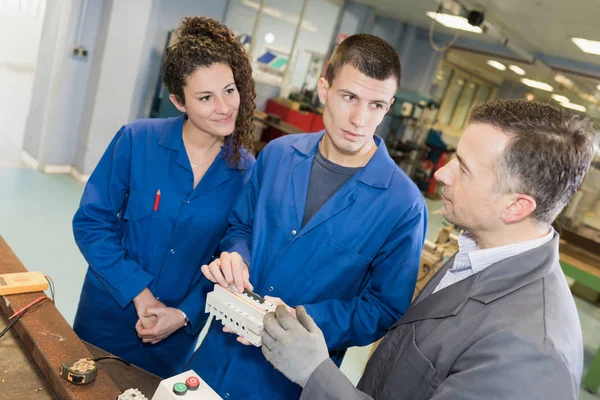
(353, 266)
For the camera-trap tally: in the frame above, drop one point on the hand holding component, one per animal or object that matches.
(239, 338)
(295, 346)
(273, 300)
(229, 269)
(278, 302)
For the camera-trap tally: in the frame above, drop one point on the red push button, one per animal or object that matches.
(192, 383)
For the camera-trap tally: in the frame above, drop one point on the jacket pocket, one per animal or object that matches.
(339, 270)
(140, 219)
(410, 374)
(140, 205)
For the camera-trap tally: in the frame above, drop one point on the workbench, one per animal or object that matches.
(584, 267)
(32, 351)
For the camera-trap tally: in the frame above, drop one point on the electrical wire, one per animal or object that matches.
(19, 313)
(28, 306)
(112, 358)
(11, 323)
(434, 46)
(51, 284)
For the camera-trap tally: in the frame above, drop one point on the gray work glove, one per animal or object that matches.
(295, 347)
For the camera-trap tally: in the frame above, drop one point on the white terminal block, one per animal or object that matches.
(185, 386)
(241, 312)
(132, 394)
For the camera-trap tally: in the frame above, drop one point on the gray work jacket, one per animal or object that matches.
(510, 331)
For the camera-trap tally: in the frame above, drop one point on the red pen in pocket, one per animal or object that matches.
(156, 200)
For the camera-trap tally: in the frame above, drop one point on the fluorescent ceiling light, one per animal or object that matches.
(497, 65)
(576, 107)
(454, 22)
(560, 98)
(563, 80)
(516, 70)
(588, 97)
(537, 84)
(587, 46)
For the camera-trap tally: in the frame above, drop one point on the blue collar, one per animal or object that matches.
(377, 173)
(171, 138)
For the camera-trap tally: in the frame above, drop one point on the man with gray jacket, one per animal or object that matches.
(498, 320)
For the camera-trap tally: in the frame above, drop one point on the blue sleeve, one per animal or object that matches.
(194, 304)
(387, 294)
(238, 237)
(96, 225)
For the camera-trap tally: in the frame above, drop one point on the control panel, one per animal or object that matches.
(185, 386)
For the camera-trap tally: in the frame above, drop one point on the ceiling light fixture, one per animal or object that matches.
(575, 107)
(537, 84)
(496, 64)
(454, 22)
(587, 46)
(517, 70)
(563, 80)
(560, 98)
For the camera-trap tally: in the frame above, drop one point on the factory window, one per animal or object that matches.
(287, 39)
(241, 17)
(451, 98)
(440, 84)
(464, 105)
(458, 92)
(312, 44)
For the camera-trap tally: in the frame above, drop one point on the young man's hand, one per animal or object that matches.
(228, 269)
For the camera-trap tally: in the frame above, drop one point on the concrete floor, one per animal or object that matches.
(35, 220)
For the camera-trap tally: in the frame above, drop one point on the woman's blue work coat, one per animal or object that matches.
(353, 266)
(129, 246)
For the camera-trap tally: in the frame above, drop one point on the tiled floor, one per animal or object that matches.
(35, 220)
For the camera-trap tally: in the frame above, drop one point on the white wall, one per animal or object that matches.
(78, 104)
(166, 15)
(20, 32)
(121, 62)
(131, 64)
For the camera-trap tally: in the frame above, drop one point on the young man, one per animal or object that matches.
(327, 220)
(498, 320)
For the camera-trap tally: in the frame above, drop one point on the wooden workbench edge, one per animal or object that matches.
(49, 339)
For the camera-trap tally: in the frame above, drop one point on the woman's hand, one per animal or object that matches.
(144, 301)
(168, 321)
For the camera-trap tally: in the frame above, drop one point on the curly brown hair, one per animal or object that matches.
(202, 42)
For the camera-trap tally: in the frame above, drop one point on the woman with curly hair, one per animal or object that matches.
(156, 206)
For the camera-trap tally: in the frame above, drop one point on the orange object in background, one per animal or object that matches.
(431, 189)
